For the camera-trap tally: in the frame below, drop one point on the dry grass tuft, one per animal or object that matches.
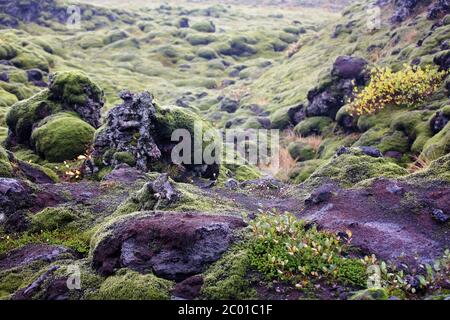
(420, 163)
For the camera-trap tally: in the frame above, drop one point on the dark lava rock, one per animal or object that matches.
(134, 117)
(163, 190)
(403, 9)
(262, 183)
(264, 122)
(297, 114)
(30, 11)
(173, 246)
(393, 154)
(443, 61)
(342, 150)
(439, 9)
(321, 194)
(438, 122)
(326, 100)
(371, 152)
(34, 75)
(229, 105)
(28, 292)
(15, 195)
(232, 184)
(440, 216)
(33, 252)
(347, 67)
(189, 289)
(4, 77)
(125, 174)
(395, 189)
(445, 45)
(183, 23)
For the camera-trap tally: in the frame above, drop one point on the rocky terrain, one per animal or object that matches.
(93, 207)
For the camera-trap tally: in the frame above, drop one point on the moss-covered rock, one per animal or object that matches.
(125, 157)
(74, 88)
(301, 151)
(61, 137)
(130, 285)
(354, 167)
(227, 279)
(397, 141)
(280, 119)
(6, 170)
(204, 26)
(371, 294)
(304, 170)
(438, 145)
(68, 91)
(313, 125)
(54, 218)
(439, 170)
(7, 99)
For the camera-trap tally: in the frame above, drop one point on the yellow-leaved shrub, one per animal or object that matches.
(407, 87)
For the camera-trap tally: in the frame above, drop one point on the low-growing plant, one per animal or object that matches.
(407, 87)
(284, 248)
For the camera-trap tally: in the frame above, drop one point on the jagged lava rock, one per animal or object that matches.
(129, 128)
(173, 246)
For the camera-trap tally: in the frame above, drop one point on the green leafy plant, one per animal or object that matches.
(283, 247)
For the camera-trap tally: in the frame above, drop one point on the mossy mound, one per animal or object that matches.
(61, 137)
(439, 170)
(6, 170)
(7, 99)
(227, 279)
(304, 170)
(349, 169)
(204, 26)
(74, 88)
(301, 151)
(51, 219)
(68, 91)
(438, 145)
(130, 285)
(313, 125)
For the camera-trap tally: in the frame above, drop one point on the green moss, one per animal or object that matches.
(304, 170)
(329, 146)
(349, 169)
(227, 279)
(280, 119)
(301, 151)
(371, 294)
(200, 39)
(416, 126)
(397, 141)
(6, 170)
(372, 137)
(71, 238)
(7, 99)
(204, 26)
(125, 157)
(207, 53)
(130, 285)
(437, 171)
(62, 137)
(115, 36)
(313, 125)
(438, 145)
(53, 218)
(30, 60)
(74, 87)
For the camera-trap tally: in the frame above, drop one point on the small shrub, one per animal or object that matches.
(410, 86)
(283, 248)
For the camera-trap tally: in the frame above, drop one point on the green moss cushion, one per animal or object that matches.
(61, 137)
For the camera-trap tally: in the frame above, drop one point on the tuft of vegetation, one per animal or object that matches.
(407, 87)
(283, 248)
(130, 285)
